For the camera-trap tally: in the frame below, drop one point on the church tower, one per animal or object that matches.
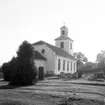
(63, 41)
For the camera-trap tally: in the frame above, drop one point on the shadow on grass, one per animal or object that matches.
(9, 86)
(95, 84)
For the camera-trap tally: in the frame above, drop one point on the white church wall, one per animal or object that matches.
(40, 63)
(73, 70)
(66, 45)
(49, 54)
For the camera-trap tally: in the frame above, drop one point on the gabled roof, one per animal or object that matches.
(57, 50)
(63, 38)
(38, 56)
(64, 27)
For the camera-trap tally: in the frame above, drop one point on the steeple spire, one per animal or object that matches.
(63, 41)
(64, 31)
(63, 23)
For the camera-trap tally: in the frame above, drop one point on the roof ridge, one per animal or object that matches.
(57, 50)
(60, 49)
(63, 38)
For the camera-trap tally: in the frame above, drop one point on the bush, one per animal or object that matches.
(100, 75)
(24, 75)
(6, 72)
(8, 67)
(62, 75)
(26, 72)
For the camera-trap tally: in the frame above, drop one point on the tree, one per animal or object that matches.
(26, 72)
(80, 59)
(89, 66)
(101, 59)
(80, 56)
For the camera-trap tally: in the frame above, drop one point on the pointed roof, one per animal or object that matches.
(57, 50)
(38, 56)
(63, 38)
(64, 27)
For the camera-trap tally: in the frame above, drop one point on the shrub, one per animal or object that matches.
(8, 67)
(69, 75)
(24, 75)
(62, 75)
(26, 72)
(100, 75)
(6, 72)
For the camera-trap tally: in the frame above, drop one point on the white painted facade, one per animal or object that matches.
(71, 69)
(40, 63)
(49, 54)
(52, 63)
(66, 45)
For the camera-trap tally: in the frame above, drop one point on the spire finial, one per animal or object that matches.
(64, 23)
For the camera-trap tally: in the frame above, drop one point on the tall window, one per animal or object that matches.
(62, 44)
(59, 64)
(71, 66)
(70, 45)
(63, 64)
(68, 66)
(74, 66)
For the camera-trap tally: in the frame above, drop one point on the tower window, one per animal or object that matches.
(63, 32)
(70, 45)
(62, 44)
(58, 64)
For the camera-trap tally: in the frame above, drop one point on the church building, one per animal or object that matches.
(58, 58)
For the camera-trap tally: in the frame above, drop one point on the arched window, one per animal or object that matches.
(64, 65)
(62, 44)
(59, 64)
(71, 66)
(68, 66)
(74, 66)
(70, 45)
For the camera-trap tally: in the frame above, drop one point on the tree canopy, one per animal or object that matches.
(100, 59)
(80, 56)
(81, 59)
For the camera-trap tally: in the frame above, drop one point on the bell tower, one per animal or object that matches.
(63, 41)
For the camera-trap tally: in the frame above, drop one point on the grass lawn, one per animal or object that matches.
(20, 96)
(13, 97)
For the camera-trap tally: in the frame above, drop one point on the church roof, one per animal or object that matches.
(64, 27)
(57, 50)
(38, 56)
(63, 38)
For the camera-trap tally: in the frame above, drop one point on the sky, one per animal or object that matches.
(35, 20)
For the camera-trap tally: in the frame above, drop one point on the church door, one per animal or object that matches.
(41, 73)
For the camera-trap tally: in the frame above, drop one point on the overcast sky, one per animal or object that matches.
(35, 20)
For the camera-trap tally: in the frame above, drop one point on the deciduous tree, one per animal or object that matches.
(80, 59)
